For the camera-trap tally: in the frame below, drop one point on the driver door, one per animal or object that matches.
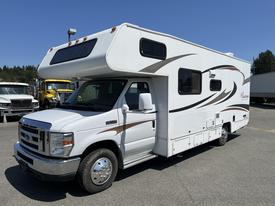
(138, 136)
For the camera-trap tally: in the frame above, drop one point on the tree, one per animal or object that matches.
(25, 74)
(264, 63)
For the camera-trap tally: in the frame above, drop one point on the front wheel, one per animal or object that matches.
(97, 170)
(223, 139)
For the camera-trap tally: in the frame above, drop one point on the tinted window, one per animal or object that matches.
(132, 95)
(73, 52)
(152, 49)
(58, 85)
(189, 81)
(14, 89)
(96, 95)
(215, 85)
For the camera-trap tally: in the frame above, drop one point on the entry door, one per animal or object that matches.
(138, 136)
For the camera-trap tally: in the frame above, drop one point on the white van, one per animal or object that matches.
(15, 99)
(149, 94)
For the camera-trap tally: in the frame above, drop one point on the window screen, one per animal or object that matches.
(73, 52)
(189, 81)
(215, 85)
(132, 95)
(152, 49)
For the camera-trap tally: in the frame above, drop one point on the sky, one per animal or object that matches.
(29, 28)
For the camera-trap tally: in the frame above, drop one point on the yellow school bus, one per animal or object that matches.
(54, 91)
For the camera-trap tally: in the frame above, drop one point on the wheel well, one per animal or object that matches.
(108, 144)
(228, 126)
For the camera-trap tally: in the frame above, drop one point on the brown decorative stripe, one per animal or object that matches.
(229, 67)
(218, 98)
(241, 107)
(244, 106)
(229, 109)
(121, 128)
(155, 67)
(191, 106)
(231, 95)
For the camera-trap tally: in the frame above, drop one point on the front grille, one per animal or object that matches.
(34, 146)
(21, 103)
(33, 138)
(29, 129)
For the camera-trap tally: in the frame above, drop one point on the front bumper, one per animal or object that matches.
(46, 168)
(17, 112)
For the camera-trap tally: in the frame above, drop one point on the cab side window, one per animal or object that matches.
(132, 95)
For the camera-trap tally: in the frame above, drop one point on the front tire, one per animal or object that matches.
(97, 170)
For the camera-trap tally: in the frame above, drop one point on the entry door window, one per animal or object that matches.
(132, 95)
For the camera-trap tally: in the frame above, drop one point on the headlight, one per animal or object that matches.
(53, 100)
(35, 104)
(4, 104)
(61, 144)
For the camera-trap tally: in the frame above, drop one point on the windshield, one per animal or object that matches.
(96, 95)
(14, 89)
(58, 85)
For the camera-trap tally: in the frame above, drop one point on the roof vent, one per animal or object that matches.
(229, 54)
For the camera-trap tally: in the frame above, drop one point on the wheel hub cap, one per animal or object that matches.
(101, 171)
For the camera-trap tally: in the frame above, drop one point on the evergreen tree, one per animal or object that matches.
(264, 63)
(25, 74)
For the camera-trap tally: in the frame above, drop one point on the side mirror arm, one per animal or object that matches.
(125, 108)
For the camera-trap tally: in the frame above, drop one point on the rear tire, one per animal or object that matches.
(97, 170)
(223, 139)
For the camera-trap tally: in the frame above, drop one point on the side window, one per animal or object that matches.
(132, 95)
(189, 81)
(152, 49)
(215, 85)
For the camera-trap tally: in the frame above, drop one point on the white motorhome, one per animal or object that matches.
(263, 87)
(15, 99)
(149, 94)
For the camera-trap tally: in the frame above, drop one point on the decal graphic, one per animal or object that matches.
(155, 67)
(240, 107)
(229, 67)
(231, 95)
(218, 98)
(191, 106)
(122, 128)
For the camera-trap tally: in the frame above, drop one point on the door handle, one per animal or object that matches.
(111, 122)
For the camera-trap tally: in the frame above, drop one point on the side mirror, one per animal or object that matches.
(125, 108)
(145, 102)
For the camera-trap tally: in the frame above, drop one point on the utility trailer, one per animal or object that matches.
(149, 94)
(263, 88)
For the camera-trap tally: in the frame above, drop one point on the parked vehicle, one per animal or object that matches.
(15, 99)
(149, 94)
(263, 88)
(53, 92)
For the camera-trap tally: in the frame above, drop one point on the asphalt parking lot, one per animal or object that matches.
(240, 173)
